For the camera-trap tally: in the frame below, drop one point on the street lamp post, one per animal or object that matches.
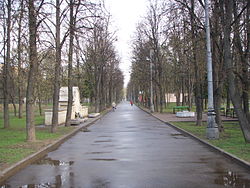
(212, 128)
(151, 82)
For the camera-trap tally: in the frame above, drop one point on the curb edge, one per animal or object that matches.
(13, 169)
(241, 162)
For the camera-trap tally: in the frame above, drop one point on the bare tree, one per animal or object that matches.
(59, 45)
(233, 88)
(19, 59)
(101, 64)
(218, 66)
(70, 60)
(242, 44)
(33, 67)
(198, 97)
(6, 73)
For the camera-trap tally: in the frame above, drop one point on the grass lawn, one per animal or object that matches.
(169, 108)
(171, 105)
(13, 145)
(231, 140)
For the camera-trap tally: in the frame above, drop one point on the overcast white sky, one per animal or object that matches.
(125, 15)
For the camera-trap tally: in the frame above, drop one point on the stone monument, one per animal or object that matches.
(78, 111)
(185, 114)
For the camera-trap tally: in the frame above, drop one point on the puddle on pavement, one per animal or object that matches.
(228, 178)
(104, 136)
(178, 135)
(52, 162)
(231, 179)
(58, 183)
(132, 131)
(97, 152)
(100, 141)
(84, 129)
(131, 127)
(42, 185)
(109, 146)
(100, 182)
(124, 148)
(101, 159)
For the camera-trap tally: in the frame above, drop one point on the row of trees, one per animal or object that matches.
(48, 44)
(175, 32)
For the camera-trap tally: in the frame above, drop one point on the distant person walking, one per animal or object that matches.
(131, 102)
(113, 106)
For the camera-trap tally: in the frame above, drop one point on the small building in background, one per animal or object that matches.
(172, 97)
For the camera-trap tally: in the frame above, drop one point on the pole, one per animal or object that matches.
(212, 128)
(151, 82)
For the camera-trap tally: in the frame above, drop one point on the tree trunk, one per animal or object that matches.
(111, 84)
(164, 96)
(183, 91)
(243, 58)
(57, 70)
(20, 105)
(189, 91)
(246, 64)
(78, 73)
(103, 96)
(33, 60)
(218, 67)
(217, 106)
(7, 69)
(161, 98)
(98, 96)
(14, 105)
(228, 99)
(155, 99)
(233, 90)
(19, 51)
(39, 101)
(110, 91)
(178, 98)
(70, 61)
(198, 97)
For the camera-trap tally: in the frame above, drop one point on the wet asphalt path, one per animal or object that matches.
(129, 148)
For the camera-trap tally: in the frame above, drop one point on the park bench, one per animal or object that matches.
(231, 112)
(180, 108)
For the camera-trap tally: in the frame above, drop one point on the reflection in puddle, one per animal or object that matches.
(131, 127)
(57, 183)
(98, 152)
(206, 159)
(108, 146)
(232, 179)
(99, 141)
(100, 182)
(147, 129)
(178, 136)
(104, 136)
(42, 185)
(52, 162)
(85, 129)
(124, 148)
(99, 159)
